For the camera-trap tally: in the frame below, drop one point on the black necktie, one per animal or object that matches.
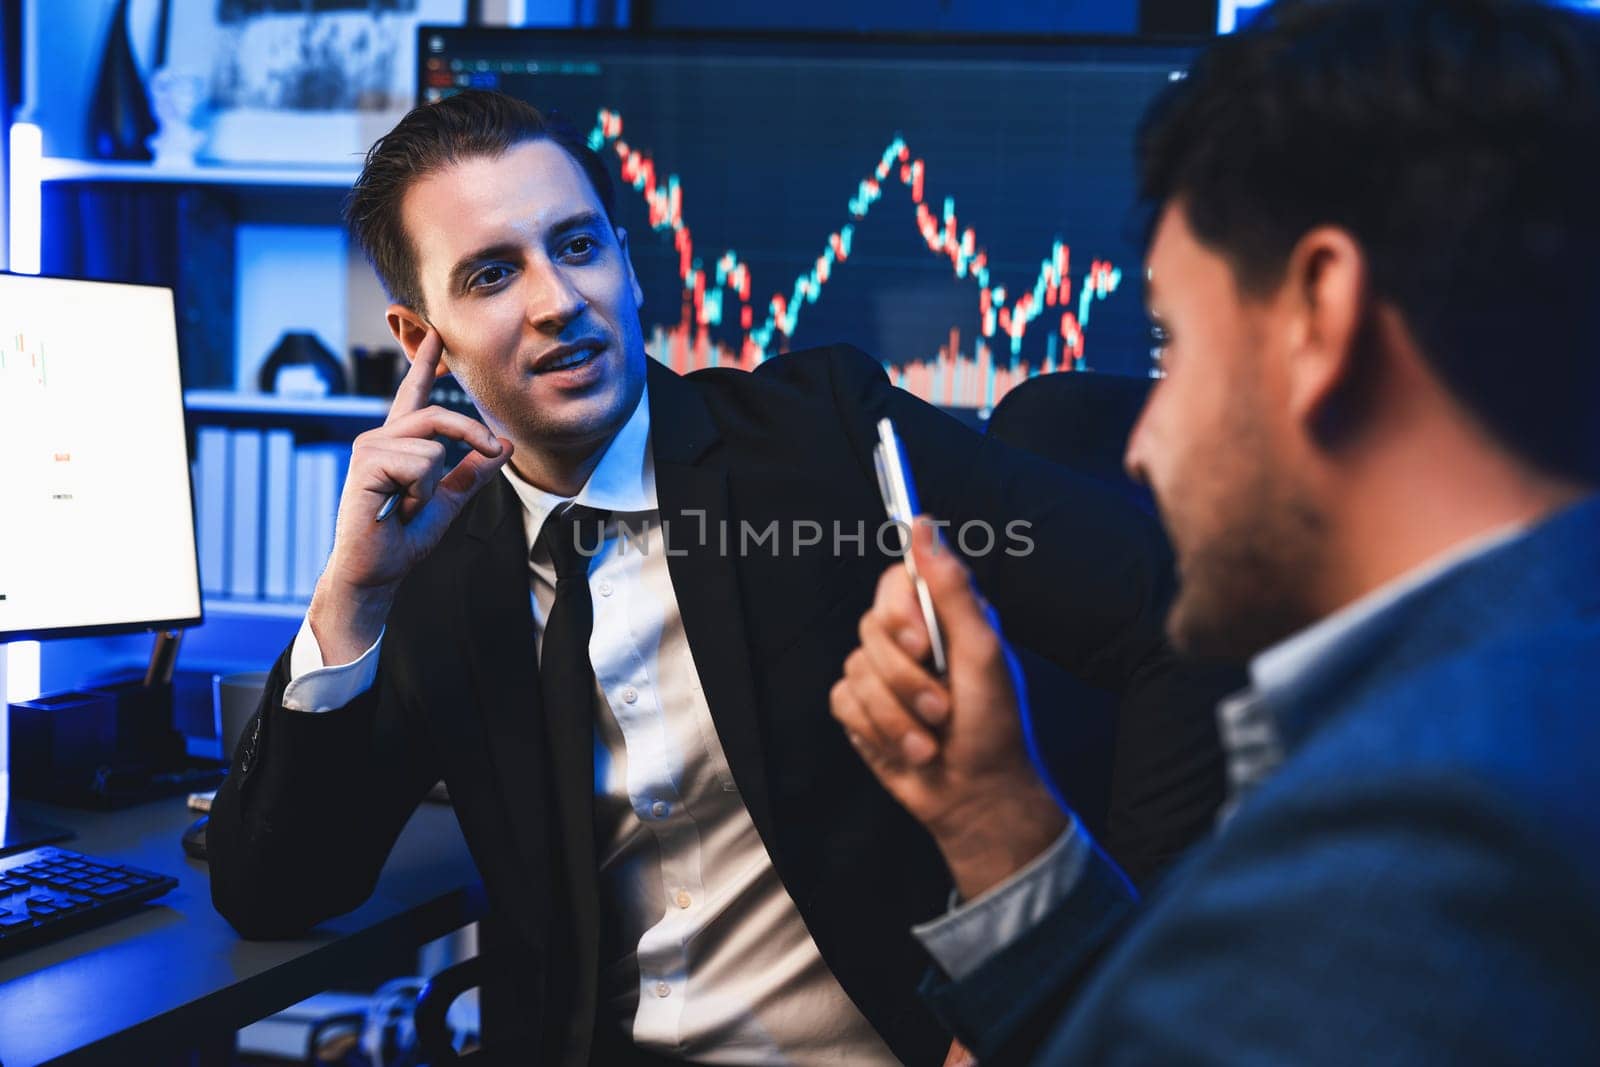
(571, 536)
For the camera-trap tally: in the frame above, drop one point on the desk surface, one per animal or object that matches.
(176, 973)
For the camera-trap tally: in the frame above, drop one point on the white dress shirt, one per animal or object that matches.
(707, 955)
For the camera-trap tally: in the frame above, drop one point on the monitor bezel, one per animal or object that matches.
(1183, 49)
(157, 625)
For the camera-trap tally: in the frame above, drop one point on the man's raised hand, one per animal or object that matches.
(951, 753)
(400, 457)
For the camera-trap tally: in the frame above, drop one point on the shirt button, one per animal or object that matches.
(663, 989)
(683, 899)
(659, 809)
(605, 588)
(630, 695)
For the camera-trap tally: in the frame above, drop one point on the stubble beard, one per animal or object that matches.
(1243, 584)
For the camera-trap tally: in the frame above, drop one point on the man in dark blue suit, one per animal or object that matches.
(1373, 268)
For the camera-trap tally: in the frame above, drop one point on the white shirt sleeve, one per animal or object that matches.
(313, 687)
(970, 934)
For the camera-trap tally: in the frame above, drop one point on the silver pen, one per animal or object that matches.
(900, 501)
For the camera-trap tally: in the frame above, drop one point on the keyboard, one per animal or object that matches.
(48, 893)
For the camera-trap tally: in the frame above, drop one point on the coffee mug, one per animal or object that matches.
(235, 698)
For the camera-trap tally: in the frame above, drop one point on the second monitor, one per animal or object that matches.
(963, 209)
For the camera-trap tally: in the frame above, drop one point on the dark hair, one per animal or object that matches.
(469, 124)
(1457, 142)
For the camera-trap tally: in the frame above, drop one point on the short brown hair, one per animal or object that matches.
(469, 124)
(1458, 141)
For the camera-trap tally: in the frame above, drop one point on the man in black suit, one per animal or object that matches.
(632, 716)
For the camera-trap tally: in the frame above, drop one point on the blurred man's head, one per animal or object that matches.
(1374, 255)
(492, 223)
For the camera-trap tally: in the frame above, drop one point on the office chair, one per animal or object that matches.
(1081, 421)
(499, 1001)
(503, 1025)
(433, 1005)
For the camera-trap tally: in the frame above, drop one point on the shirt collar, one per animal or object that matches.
(1286, 668)
(1250, 723)
(623, 481)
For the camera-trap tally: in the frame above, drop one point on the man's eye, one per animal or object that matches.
(488, 277)
(1160, 339)
(580, 246)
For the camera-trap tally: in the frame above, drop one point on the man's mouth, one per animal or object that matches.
(567, 357)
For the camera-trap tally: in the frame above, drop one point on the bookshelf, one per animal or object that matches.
(261, 250)
(255, 609)
(211, 402)
(267, 473)
(59, 169)
(270, 201)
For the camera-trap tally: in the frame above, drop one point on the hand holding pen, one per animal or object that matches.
(398, 500)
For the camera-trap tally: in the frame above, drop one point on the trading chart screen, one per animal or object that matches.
(964, 210)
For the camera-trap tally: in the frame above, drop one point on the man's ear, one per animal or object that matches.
(409, 328)
(1327, 287)
(627, 257)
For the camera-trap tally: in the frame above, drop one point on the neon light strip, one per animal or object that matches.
(1228, 12)
(27, 153)
(22, 670)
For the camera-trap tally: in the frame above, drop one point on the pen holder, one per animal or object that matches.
(60, 742)
(143, 716)
(60, 736)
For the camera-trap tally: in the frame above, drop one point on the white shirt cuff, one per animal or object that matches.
(314, 687)
(970, 934)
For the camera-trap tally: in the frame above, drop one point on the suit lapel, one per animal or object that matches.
(544, 769)
(692, 494)
(497, 624)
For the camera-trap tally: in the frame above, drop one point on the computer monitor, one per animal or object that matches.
(961, 208)
(96, 526)
(1235, 15)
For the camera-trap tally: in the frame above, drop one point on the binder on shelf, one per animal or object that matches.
(307, 499)
(320, 471)
(211, 500)
(335, 460)
(244, 518)
(278, 513)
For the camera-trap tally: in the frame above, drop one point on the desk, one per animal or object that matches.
(175, 975)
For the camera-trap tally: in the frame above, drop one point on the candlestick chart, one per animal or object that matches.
(21, 363)
(969, 220)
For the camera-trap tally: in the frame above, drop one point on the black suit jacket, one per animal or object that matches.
(457, 694)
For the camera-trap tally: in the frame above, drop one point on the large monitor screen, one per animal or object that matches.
(96, 525)
(962, 209)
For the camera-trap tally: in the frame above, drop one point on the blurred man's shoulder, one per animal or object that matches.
(1508, 726)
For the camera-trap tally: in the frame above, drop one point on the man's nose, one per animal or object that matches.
(553, 301)
(1134, 456)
